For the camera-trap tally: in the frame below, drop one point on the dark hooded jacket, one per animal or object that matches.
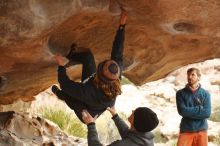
(129, 137)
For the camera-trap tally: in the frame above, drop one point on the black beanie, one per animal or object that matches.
(145, 119)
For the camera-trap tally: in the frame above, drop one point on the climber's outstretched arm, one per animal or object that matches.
(118, 43)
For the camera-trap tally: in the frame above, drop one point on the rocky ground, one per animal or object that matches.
(23, 129)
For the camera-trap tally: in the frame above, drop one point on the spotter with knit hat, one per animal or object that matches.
(99, 87)
(142, 121)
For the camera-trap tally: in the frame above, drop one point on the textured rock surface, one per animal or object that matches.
(161, 36)
(18, 129)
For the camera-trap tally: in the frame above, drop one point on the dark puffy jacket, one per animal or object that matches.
(129, 138)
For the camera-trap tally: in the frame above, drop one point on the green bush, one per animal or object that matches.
(174, 142)
(217, 140)
(215, 115)
(123, 116)
(125, 81)
(66, 121)
(158, 138)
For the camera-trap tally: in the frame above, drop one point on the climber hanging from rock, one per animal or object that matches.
(98, 87)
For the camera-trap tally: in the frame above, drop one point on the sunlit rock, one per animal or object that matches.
(161, 36)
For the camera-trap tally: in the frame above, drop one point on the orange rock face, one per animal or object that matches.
(161, 36)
